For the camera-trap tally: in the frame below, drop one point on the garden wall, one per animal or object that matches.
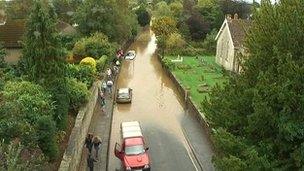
(190, 105)
(72, 155)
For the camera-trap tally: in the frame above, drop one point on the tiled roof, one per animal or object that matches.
(11, 33)
(238, 29)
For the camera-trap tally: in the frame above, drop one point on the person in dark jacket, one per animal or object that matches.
(90, 162)
(89, 142)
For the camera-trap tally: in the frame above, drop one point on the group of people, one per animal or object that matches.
(92, 143)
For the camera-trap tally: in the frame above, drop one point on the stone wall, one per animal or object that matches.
(190, 105)
(72, 155)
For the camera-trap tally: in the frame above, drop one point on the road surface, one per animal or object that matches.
(176, 139)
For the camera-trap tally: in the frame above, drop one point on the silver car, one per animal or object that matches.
(124, 95)
(130, 55)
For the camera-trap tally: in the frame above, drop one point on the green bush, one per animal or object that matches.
(96, 45)
(88, 61)
(83, 73)
(101, 63)
(46, 131)
(78, 93)
(59, 90)
(169, 64)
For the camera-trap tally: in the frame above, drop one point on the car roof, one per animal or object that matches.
(123, 90)
(131, 129)
(131, 51)
(134, 141)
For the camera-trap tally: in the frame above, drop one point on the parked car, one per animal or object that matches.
(133, 153)
(130, 55)
(124, 95)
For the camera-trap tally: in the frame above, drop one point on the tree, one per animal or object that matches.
(162, 10)
(2, 55)
(163, 27)
(242, 8)
(109, 17)
(198, 27)
(18, 9)
(44, 58)
(66, 9)
(177, 10)
(211, 12)
(175, 43)
(263, 106)
(143, 16)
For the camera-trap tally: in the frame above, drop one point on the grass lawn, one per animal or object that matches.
(196, 72)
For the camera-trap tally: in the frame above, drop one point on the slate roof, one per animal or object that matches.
(238, 29)
(12, 31)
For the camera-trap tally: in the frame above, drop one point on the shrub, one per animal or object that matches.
(46, 131)
(96, 45)
(184, 67)
(209, 43)
(83, 73)
(101, 63)
(169, 64)
(88, 61)
(59, 91)
(78, 93)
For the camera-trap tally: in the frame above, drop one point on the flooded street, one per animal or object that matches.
(177, 141)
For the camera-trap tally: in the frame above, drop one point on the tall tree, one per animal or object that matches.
(259, 114)
(43, 56)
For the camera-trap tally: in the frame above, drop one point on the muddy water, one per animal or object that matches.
(177, 142)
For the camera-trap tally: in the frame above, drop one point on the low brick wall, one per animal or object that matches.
(72, 155)
(190, 105)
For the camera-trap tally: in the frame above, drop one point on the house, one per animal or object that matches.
(230, 39)
(11, 35)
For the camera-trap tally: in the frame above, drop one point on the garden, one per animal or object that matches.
(197, 74)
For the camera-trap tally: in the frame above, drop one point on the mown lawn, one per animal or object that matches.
(190, 73)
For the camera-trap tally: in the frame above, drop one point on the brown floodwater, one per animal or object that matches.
(176, 139)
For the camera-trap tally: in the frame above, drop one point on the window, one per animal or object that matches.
(134, 150)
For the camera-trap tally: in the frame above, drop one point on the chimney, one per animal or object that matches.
(236, 16)
(228, 17)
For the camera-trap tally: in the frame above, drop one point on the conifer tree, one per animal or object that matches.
(259, 114)
(43, 56)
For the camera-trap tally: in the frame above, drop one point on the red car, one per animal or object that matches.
(133, 153)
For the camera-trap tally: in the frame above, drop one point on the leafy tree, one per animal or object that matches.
(143, 16)
(2, 55)
(44, 58)
(198, 27)
(177, 10)
(23, 105)
(162, 10)
(66, 9)
(95, 46)
(175, 43)
(109, 17)
(163, 27)
(242, 8)
(209, 43)
(211, 12)
(18, 9)
(263, 106)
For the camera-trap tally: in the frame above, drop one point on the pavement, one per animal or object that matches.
(100, 126)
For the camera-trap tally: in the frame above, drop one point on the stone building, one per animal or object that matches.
(230, 39)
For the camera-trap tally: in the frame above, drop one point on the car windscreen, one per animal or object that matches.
(134, 150)
(123, 95)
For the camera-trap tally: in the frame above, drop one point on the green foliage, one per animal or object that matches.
(110, 17)
(96, 45)
(162, 10)
(143, 16)
(263, 106)
(175, 43)
(83, 73)
(2, 55)
(169, 64)
(59, 90)
(101, 63)
(43, 54)
(23, 105)
(164, 26)
(209, 43)
(11, 158)
(88, 61)
(78, 93)
(46, 131)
